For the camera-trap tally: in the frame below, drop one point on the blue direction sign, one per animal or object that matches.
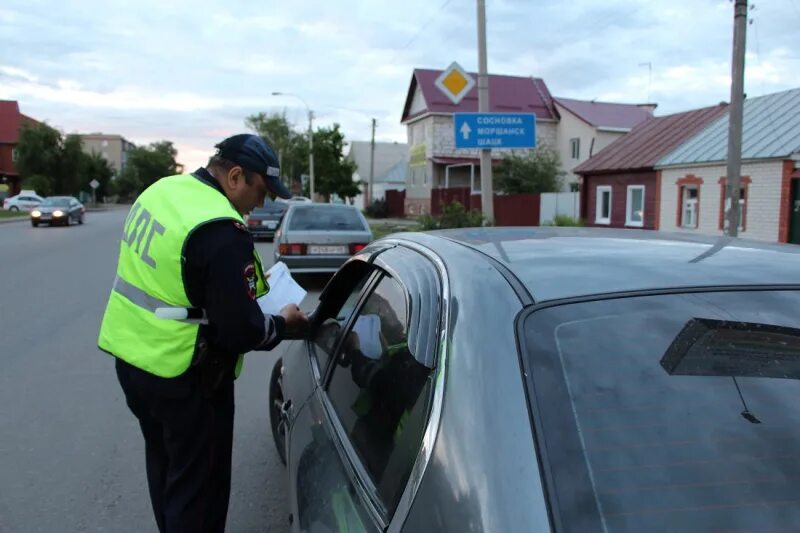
(495, 130)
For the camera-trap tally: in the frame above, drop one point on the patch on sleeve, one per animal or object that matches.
(239, 225)
(250, 280)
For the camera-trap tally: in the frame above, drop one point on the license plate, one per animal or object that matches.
(329, 250)
(269, 224)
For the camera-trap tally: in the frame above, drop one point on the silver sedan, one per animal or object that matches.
(319, 238)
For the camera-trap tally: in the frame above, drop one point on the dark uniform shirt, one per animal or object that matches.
(219, 275)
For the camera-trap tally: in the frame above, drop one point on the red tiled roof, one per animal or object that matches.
(11, 121)
(509, 94)
(606, 115)
(648, 142)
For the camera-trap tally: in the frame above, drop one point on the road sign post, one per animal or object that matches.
(94, 184)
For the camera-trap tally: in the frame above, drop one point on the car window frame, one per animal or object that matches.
(321, 375)
(350, 460)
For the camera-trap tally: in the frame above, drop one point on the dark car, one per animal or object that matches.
(569, 380)
(263, 222)
(319, 238)
(58, 210)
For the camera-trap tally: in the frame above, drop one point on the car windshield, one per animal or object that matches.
(56, 202)
(672, 412)
(325, 218)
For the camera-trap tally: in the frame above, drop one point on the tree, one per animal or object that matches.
(150, 163)
(535, 172)
(72, 162)
(39, 155)
(333, 173)
(96, 167)
(290, 145)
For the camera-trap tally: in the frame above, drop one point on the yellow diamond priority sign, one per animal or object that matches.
(455, 82)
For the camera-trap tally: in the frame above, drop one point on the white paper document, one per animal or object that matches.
(283, 290)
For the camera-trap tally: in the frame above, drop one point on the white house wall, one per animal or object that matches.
(763, 199)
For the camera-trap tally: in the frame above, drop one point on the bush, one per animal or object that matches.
(377, 209)
(454, 215)
(565, 220)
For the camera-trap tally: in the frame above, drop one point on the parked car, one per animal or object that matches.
(554, 379)
(263, 221)
(301, 199)
(61, 210)
(24, 201)
(319, 238)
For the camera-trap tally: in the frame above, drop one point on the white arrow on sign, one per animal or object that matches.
(465, 130)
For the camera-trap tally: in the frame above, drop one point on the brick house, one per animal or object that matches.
(620, 185)
(693, 177)
(11, 122)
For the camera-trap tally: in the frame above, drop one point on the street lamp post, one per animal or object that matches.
(310, 140)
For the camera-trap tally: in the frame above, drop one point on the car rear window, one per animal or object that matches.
(324, 218)
(56, 201)
(669, 413)
(270, 209)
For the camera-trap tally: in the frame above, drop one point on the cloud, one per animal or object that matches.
(191, 71)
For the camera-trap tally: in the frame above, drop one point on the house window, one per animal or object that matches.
(575, 147)
(14, 154)
(744, 191)
(105, 143)
(690, 206)
(603, 207)
(634, 206)
(688, 201)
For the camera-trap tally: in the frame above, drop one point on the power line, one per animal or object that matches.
(421, 29)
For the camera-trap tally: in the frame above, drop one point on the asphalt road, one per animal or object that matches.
(71, 454)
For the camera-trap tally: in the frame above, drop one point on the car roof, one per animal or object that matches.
(558, 263)
(317, 205)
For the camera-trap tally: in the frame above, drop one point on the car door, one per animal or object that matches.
(356, 440)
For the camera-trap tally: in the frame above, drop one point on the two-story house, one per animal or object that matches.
(575, 129)
(11, 122)
(585, 128)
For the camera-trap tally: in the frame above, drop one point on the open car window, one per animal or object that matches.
(380, 391)
(672, 412)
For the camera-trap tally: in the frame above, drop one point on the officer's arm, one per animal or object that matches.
(221, 256)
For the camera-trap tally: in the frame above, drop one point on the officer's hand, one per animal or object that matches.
(296, 321)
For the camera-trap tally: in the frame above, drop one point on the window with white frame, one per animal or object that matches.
(14, 154)
(690, 206)
(634, 206)
(575, 147)
(603, 206)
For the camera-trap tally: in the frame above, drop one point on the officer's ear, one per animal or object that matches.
(236, 178)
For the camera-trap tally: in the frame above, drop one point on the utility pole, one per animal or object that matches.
(735, 113)
(311, 153)
(487, 196)
(371, 165)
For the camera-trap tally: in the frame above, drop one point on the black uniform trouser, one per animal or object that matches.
(188, 435)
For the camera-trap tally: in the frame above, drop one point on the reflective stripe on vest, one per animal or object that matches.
(150, 275)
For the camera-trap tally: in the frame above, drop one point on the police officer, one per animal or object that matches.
(185, 246)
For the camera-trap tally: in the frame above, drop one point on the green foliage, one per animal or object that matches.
(565, 220)
(39, 155)
(536, 172)
(50, 163)
(454, 215)
(332, 173)
(151, 163)
(40, 183)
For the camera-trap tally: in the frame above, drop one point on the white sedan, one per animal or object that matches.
(22, 202)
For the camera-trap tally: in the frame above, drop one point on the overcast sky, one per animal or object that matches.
(190, 72)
